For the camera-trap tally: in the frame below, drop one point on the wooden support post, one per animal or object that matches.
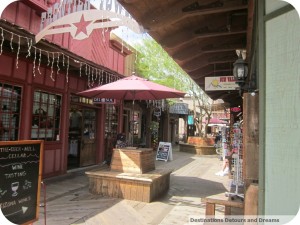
(210, 209)
(227, 210)
(250, 138)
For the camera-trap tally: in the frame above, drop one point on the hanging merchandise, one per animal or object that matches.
(237, 159)
(224, 142)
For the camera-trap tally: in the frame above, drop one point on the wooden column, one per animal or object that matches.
(251, 200)
(210, 209)
(250, 138)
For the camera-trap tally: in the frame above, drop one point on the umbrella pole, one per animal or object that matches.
(132, 123)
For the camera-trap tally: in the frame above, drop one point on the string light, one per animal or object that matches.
(29, 45)
(80, 69)
(96, 75)
(92, 72)
(2, 40)
(57, 64)
(102, 77)
(18, 52)
(40, 59)
(11, 42)
(99, 79)
(33, 69)
(93, 77)
(51, 75)
(63, 61)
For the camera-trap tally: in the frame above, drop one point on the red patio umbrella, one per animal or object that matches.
(216, 122)
(133, 88)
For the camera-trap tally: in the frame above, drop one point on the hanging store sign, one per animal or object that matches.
(157, 112)
(220, 83)
(235, 109)
(103, 101)
(78, 19)
(179, 108)
(190, 120)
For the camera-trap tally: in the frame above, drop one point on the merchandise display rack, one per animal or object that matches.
(237, 160)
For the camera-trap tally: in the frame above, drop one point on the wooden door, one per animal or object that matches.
(88, 143)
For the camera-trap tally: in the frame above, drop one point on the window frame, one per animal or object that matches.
(10, 111)
(46, 115)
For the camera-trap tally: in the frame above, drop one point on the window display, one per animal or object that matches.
(10, 104)
(46, 116)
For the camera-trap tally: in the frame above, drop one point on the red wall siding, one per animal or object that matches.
(7, 65)
(95, 48)
(21, 71)
(55, 152)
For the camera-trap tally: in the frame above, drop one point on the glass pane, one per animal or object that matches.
(36, 96)
(46, 116)
(10, 101)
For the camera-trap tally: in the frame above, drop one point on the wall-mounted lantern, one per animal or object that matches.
(240, 70)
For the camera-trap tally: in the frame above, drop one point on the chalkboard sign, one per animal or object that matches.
(164, 150)
(20, 179)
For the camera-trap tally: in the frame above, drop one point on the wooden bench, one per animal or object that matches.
(211, 205)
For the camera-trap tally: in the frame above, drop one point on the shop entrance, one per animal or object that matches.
(82, 131)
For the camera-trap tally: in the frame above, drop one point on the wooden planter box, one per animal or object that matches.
(138, 187)
(201, 141)
(197, 149)
(132, 160)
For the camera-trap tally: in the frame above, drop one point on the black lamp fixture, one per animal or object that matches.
(240, 69)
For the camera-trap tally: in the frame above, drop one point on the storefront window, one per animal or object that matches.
(10, 102)
(46, 116)
(111, 124)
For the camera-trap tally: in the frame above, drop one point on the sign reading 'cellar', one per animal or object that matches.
(20, 178)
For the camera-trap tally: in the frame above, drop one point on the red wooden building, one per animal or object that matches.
(39, 82)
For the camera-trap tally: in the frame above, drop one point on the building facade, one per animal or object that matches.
(39, 83)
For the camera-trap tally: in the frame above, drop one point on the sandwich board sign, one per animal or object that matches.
(20, 181)
(164, 151)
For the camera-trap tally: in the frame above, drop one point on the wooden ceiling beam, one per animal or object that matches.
(194, 53)
(153, 21)
(214, 73)
(207, 59)
(175, 41)
(202, 64)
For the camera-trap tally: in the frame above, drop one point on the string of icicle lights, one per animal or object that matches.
(54, 60)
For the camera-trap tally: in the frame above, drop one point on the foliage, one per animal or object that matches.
(204, 104)
(156, 65)
(154, 133)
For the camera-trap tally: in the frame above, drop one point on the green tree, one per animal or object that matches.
(156, 65)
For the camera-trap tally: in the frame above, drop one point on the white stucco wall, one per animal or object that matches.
(282, 122)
